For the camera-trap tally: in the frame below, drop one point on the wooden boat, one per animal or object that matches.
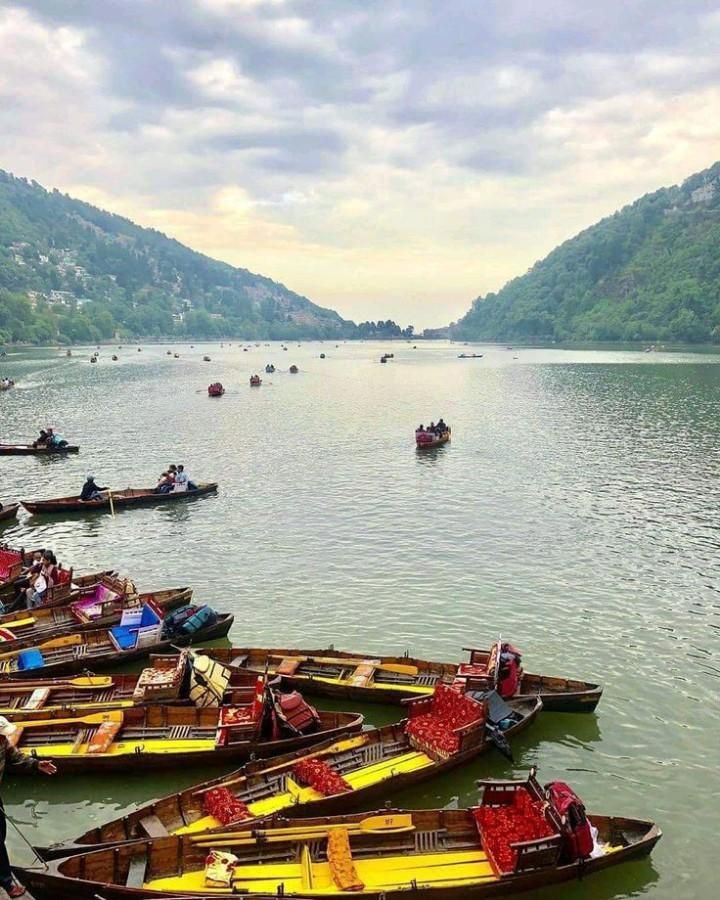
(470, 356)
(67, 588)
(170, 679)
(372, 764)
(270, 368)
(216, 389)
(29, 450)
(255, 381)
(92, 648)
(121, 499)
(99, 608)
(114, 357)
(160, 735)
(9, 512)
(425, 440)
(206, 359)
(447, 854)
(6, 385)
(392, 679)
(294, 370)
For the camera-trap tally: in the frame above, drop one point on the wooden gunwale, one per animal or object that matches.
(29, 450)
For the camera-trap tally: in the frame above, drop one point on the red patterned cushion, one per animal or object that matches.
(520, 820)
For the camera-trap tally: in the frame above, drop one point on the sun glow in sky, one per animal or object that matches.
(387, 158)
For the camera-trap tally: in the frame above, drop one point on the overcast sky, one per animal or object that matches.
(388, 158)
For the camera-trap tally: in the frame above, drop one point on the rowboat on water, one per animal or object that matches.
(67, 587)
(392, 679)
(516, 839)
(332, 777)
(255, 381)
(100, 608)
(129, 497)
(215, 389)
(426, 440)
(92, 648)
(160, 735)
(9, 512)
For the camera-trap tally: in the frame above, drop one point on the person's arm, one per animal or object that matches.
(17, 761)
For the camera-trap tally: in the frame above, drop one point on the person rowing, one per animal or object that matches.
(91, 491)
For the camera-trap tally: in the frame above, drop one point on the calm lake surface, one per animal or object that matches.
(575, 513)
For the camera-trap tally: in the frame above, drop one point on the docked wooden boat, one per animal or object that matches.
(129, 497)
(162, 735)
(177, 680)
(91, 648)
(99, 609)
(392, 679)
(9, 512)
(426, 440)
(517, 839)
(29, 450)
(332, 777)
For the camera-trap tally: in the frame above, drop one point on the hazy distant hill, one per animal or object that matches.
(650, 272)
(69, 271)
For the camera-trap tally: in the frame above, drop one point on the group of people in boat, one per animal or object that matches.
(49, 439)
(6, 384)
(174, 480)
(42, 576)
(433, 428)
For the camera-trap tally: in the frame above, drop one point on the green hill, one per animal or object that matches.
(650, 272)
(71, 272)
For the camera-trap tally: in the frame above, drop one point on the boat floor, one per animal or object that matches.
(364, 777)
(446, 868)
(124, 748)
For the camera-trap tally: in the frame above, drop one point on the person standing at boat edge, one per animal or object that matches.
(15, 761)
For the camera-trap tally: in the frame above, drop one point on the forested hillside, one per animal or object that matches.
(650, 272)
(71, 272)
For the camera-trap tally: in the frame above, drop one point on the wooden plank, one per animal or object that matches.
(136, 871)
(153, 827)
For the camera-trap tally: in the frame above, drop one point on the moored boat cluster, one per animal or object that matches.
(300, 817)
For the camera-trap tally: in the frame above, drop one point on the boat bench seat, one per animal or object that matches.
(153, 827)
(136, 871)
(239, 662)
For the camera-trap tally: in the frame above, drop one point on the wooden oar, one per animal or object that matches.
(83, 683)
(68, 640)
(112, 505)
(393, 823)
(113, 715)
(397, 668)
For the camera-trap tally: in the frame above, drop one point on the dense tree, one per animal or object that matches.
(651, 272)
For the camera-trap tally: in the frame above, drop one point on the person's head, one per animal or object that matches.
(420, 426)
(50, 430)
(173, 468)
(37, 556)
(181, 468)
(90, 478)
(49, 558)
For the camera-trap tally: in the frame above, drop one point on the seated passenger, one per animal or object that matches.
(185, 479)
(420, 429)
(441, 427)
(165, 484)
(42, 440)
(90, 491)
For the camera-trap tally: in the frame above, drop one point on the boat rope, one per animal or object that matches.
(34, 851)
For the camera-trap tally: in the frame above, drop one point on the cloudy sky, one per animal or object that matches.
(388, 158)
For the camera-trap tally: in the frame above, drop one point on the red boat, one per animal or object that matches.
(255, 381)
(216, 390)
(425, 440)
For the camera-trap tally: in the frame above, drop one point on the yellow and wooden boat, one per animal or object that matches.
(366, 678)
(163, 735)
(385, 855)
(372, 764)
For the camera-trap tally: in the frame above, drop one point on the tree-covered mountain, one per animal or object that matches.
(649, 272)
(71, 272)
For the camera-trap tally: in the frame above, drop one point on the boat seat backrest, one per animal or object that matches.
(103, 737)
(363, 674)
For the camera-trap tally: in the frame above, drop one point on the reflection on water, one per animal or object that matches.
(574, 512)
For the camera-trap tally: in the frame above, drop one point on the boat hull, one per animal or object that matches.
(29, 450)
(144, 497)
(436, 442)
(9, 512)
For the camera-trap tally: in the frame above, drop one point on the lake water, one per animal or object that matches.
(575, 513)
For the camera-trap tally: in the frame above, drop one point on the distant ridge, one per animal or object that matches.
(72, 272)
(650, 272)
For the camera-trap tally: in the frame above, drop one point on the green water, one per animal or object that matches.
(575, 512)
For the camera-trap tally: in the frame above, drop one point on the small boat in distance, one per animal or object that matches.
(294, 370)
(216, 389)
(114, 357)
(121, 499)
(470, 356)
(426, 440)
(255, 381)
(206, 359)
(29, 450)
(6, 384)
(269, 368)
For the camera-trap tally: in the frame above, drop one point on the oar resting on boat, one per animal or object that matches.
(328, 778)
(520, 837)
